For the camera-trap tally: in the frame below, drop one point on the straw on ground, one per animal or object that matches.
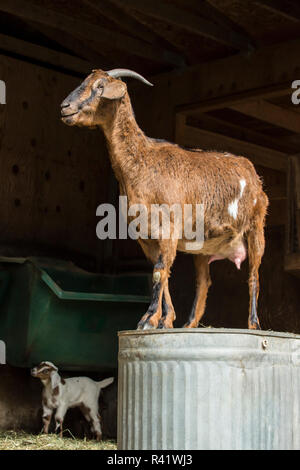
(12, 440)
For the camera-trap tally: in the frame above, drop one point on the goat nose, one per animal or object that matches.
(65, 104)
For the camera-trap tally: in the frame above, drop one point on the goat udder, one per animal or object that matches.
(237, 255)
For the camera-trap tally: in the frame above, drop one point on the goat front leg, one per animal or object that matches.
(203, 283)
(256, 246)
(47, 415)
(161, 272)
(59, 418)
(168, 313)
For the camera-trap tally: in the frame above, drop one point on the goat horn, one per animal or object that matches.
(116, 73)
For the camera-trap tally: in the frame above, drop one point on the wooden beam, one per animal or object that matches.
(44, 55)
(292, 263)
(198, 138)
(270, 113)
(223, 126)
(213, 13)
(284, 8)
(88, 31)
(185, 20)
(268, 72)
(117, 15)
(131, 24)
(161, 33)
(234, 99)
(76, 46)
(277, 212)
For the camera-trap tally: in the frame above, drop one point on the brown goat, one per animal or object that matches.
(157, 172)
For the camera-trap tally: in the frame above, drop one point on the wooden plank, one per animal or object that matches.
(266, 73)
(125, 21)
(44, 55)
(89, 52)
(199, 138)
(213, 13)
(86, 30)
(132, 25)
(296, 171)
(220, 125)
(289, 232)
(160, 33)
(277, 213)
(292, 263)
(232, 99)
(284, 8)
(270, 113)
(48, 191)
(277, 192)
(192, 23)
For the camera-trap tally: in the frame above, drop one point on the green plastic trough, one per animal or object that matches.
(53, 311)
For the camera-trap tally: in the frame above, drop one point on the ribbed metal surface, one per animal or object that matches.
(208, 389)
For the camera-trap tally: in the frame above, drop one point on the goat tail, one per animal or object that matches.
(105, 383)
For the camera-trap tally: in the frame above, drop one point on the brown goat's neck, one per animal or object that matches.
(125, 141)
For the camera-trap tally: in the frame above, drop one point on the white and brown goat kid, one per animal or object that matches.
(61, 394)
(157, 172)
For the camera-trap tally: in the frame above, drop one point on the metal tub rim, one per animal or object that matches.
(231, 331)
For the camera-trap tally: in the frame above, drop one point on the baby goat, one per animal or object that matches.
(152, 172)
(62, 394)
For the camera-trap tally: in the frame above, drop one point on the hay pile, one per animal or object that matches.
(11, 440)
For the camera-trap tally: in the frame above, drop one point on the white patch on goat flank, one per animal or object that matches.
(254, 202)
(242, 185)
(233, 206)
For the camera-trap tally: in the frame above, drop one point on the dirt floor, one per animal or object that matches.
(11, 440)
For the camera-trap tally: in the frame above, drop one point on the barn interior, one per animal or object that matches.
(222, 72)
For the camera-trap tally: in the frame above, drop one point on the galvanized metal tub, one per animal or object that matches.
(208, 389)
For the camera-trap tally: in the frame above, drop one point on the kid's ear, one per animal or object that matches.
(114, 90)
(55, 379)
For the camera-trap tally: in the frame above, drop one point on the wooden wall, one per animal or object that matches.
(52, 177)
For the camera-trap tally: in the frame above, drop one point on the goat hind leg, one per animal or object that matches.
(59, 419)
(96, 424)
(203, 283)
(256, 246)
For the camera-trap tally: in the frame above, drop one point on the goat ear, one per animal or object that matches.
(114, 90)
(55, 379)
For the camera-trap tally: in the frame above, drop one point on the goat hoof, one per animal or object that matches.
(98, 436)
(254, 326)
(145, 324)
(190, 325)
(148, 326)
(164, 326)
